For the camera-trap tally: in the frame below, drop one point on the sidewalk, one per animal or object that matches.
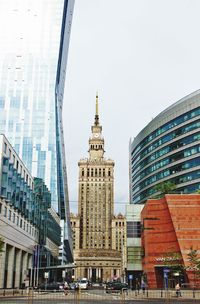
(101, 294)
(159, 293)
(13, 292)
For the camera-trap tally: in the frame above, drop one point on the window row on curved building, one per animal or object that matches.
(167, 149)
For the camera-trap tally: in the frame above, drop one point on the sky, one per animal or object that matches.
(141, 56)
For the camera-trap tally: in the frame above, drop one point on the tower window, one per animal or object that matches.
(82, 172)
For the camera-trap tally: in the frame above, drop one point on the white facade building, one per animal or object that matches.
(16, 229)
(19, 237)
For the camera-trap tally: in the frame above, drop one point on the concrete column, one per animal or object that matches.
(76, 273)
(97, 272)
(111, 273)
(90, 273)
(11, 254)
(30, 261)
(2, 266)
(30, 266)
(18, 268)
(24, 266)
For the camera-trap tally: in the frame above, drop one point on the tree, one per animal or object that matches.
(194, 261)
(193, 258)
(164, 188)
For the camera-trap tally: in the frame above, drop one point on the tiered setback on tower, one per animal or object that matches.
(167, 149)
(95, 256)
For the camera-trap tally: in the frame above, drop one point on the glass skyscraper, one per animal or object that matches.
(34, 37)
(167, 150)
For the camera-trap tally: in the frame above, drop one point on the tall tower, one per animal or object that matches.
(96, 188)
(33, 60)
(95, 258)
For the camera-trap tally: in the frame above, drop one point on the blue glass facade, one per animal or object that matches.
(33, 60)
(29, 58)
(29, 197)
(16, 190)
(168, 148)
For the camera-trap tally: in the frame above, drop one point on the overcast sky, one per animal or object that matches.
(141, 56)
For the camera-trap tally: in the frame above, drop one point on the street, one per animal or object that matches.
(93, 297)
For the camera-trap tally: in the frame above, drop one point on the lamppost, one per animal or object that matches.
(35, 266)
(123, 248)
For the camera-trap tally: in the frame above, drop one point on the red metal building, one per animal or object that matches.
(171, 227)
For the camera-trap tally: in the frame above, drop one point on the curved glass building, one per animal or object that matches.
(167, 149)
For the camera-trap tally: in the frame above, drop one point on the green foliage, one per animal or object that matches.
(1, 244)
(198, 191)
(174, 261)
(144, 277)
(164, 188)
(194, 261)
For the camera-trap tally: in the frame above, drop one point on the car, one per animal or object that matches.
(73, 285)
(96, 284)
(83, 283)
(116, 286)
(49, 286)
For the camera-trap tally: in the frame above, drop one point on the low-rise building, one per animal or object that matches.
(134, 247)
(170, 232)
(29, 227)
(119, 240)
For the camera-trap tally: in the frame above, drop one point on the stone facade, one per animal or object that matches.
(19, 237)
(75, 224)
(96, 256)
(119, 238)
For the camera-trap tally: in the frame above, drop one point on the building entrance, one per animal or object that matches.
(167, 277)
(97, 275)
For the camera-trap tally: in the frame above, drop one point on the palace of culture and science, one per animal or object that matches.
(99, 236)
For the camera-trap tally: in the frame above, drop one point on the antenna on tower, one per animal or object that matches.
(97, 110)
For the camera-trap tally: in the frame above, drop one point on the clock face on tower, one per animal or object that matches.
(96, 135)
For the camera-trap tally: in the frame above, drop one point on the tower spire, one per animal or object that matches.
(96, 121)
